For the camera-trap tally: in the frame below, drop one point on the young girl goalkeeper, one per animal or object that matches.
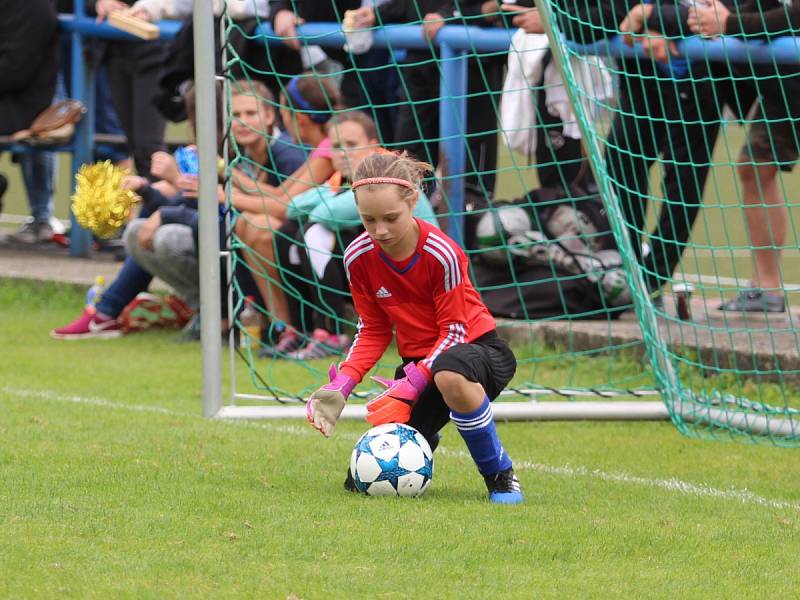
(406, 274)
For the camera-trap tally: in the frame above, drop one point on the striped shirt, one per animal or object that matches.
(428, 299)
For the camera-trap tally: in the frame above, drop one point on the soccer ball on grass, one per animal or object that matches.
(392, 460)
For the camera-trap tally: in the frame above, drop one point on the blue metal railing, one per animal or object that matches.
(455, 43)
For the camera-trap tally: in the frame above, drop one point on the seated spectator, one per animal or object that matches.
(321, 223)
(306, 106)
(133, 278)
(169, 236)
(166, 243)
(28, 74)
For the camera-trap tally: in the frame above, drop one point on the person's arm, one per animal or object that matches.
(654, 26)
(275, 6)
(484, 13)
(154, 10)
(103, 8)
(315, 171)
(588, 22)
(259, 203)
(183, 215)
(151, 197)
(373, 337)
(776, 21)
(284, 22)
(252, 196)
(395, 11)
(669, 18)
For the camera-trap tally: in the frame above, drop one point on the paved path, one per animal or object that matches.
(49, 262)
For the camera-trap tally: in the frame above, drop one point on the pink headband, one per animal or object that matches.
(394, 180)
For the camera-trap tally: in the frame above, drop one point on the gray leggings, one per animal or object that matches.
(173, 258)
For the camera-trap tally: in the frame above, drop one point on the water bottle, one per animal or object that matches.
(250, 323)
(95, 292)
(187, 159)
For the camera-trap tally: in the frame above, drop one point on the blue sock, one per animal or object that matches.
(478, 430)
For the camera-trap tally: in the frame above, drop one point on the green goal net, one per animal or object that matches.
(611, 206)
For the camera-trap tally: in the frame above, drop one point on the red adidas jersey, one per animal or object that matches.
(427, 298)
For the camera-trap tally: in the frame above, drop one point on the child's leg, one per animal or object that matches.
(469, 376)
(471, 412)
(256, 231)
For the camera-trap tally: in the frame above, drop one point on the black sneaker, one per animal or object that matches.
(350, 484)
(504, 487)
(755, 300)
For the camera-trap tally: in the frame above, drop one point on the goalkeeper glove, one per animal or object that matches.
(326, 404)
(395, 404)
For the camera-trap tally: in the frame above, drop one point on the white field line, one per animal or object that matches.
(670, 485)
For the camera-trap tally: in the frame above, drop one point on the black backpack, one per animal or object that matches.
(540, 291)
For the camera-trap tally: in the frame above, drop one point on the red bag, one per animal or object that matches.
(148, 311)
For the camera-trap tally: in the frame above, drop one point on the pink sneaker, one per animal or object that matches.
(88, 325)
(288, 342)
(322, 344)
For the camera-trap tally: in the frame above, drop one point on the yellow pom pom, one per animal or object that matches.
(100, 203)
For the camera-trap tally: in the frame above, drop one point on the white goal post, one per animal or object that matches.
(210, 305)
(595, 405)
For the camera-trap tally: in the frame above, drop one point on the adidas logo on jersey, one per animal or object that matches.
(383, 293)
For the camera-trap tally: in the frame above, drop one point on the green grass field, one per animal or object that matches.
(113, 485)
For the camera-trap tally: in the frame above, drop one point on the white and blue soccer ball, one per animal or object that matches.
(392, 460)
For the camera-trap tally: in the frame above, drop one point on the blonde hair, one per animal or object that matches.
(354, 116)
(254, 87)
(391, 165)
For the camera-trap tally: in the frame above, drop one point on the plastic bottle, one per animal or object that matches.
(188, 162)
(95, 292)
(250, 323)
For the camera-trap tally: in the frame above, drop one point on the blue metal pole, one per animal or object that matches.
(82, 82)
(453, 131)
